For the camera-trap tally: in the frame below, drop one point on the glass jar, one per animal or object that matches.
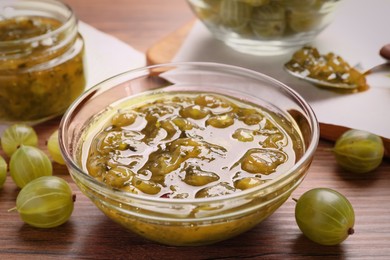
(41, 60)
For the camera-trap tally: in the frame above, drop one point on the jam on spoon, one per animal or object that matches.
(330, 70)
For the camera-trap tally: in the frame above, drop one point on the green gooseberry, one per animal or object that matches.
(325, 216)
(359, 151)
(268, 21)
(29, 163)
(53, 148)
(45, 202)
(16, 135)
(304, 21)
(234, 15)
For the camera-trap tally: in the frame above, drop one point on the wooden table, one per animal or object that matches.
(90, 234)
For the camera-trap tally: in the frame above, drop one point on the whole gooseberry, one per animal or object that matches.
(16, 135)
(359, 151)
(325, 216)
(45, 202)
(54, 148)
(27, 164)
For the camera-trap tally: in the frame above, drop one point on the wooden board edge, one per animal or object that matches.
(165, 50)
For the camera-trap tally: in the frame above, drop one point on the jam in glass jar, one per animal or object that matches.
(41, 60)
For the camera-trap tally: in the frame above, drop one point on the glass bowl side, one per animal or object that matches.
(264, 27)
(197, 221)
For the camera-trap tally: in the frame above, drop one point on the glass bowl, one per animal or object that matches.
(188, 221)
(264, 27)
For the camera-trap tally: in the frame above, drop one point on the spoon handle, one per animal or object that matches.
(380, 67)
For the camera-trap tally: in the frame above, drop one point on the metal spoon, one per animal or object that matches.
(384, 53)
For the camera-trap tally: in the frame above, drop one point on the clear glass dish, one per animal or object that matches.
(199, 221)
(265, 27)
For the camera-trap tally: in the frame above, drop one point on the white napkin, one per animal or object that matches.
(106, 56)
(359, 30)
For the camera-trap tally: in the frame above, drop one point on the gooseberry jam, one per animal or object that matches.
(191, 145)
(158, 107)
(329, 67)
(41, 60)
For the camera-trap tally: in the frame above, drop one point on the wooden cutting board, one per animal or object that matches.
(165, 50)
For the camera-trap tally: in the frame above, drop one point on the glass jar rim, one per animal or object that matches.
(97, 185)
(69, 22)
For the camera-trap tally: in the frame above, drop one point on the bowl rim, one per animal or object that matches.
(70, 162)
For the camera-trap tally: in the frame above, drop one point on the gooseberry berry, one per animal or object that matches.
(325, 216)
(16, 135)
(54, 148)
(359, 151)
(29, 163)
(3, 171)
(45, 202)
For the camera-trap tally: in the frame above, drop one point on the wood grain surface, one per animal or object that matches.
(89, 234)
